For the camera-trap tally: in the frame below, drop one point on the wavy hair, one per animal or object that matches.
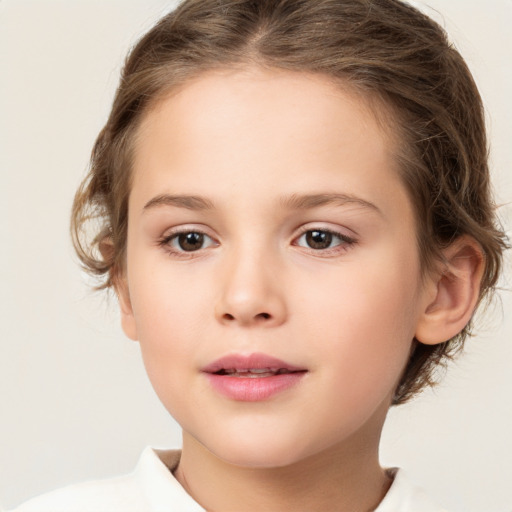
(383, 49)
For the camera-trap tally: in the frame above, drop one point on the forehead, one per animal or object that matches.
(268, 130)
(228, 98)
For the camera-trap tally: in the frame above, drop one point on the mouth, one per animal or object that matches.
(251, 366)
(253, 373)
(252, 378)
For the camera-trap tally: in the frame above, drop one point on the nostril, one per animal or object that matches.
(228, 317)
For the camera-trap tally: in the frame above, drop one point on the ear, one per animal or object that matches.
(120, 284)
(452, 294)
(127, 318)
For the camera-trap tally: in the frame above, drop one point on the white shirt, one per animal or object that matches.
(151, 487)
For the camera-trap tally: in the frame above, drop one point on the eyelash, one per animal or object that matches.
(345, 242)
(166, 241)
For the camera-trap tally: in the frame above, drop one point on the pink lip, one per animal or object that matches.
(254, 388)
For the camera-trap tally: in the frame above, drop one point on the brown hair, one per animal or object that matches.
(381, 48)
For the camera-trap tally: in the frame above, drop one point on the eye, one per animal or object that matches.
(188, 241)
(321, 239)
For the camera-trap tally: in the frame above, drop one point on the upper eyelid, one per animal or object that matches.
(345, 239)
(192, 228)
(174, 234)
(343, 232)
(166, 240)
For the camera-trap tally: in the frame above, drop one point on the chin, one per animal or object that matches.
(266, 452)
(260, 459)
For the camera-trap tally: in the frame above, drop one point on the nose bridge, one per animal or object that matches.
(250, 290)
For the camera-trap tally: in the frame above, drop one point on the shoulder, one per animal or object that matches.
(150, 487)
(114, 494)
(404, 496)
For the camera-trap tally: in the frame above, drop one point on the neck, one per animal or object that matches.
(346, 477)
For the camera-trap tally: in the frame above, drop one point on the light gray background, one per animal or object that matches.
(74, 399)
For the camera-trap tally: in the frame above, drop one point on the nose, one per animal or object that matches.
(251, 292)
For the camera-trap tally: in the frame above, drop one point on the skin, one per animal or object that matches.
(248, 142)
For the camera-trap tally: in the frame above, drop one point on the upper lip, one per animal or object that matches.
(247, 362)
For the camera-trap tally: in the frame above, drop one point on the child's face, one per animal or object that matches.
(300, 246)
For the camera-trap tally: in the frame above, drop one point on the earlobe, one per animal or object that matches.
(120, 285)
(127, 318)
(456, 291)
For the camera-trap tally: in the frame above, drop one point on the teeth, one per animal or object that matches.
(253, 372)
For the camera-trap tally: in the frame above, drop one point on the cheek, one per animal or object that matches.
(164, 298)
(168, 319)
(168, 345)
(377, 296)
(365, 321)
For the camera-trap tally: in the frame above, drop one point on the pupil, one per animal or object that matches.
(191, 241)
(319, 239)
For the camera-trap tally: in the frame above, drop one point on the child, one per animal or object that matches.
(295, 215)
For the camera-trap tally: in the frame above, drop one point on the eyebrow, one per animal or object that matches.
(308, 201)
(292, 202)
(188, 202)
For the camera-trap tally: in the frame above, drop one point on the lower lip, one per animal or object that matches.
(253, 389)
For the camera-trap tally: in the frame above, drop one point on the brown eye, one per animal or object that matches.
(187, 241)
(323, 239)
(318, 239)
(190, 241)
